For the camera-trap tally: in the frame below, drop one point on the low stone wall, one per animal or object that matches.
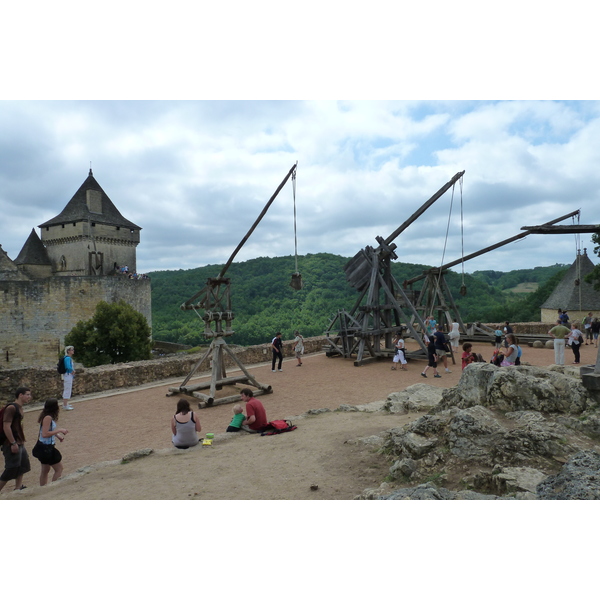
(528, 328)
(46, 383)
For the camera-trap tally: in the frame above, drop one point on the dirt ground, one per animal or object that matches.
(322, 451)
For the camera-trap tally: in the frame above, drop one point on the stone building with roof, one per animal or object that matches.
(59, 278)
(573, 293)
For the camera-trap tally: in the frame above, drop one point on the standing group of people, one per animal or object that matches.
(16, 458)
(565, 336)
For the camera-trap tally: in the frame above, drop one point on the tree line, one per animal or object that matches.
(264, 303)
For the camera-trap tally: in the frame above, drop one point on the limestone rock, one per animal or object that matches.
(579, 479)
(549, 344)
(405, 467)
(415, 398)
(517, 479)
(517, 388)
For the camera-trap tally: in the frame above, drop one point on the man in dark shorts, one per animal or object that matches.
(441, 347)
(431, 357)
(256, 415)
(16, 459)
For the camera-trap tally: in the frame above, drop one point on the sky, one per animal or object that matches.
(196, 174)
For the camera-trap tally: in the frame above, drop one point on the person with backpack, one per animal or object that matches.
(68, 372)
(16, 459)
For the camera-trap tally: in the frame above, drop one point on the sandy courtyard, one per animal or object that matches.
(322, 451)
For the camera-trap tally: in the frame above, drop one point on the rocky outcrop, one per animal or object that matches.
(415, 398)
(519, 432)
(579, 479)
(518, 388)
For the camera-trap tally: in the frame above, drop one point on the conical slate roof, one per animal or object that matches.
(33, 252)
(573, 292)
(8, 270)
(77, 209)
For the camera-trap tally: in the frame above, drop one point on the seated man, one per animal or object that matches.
(256, 415)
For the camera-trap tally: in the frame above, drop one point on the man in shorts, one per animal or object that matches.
(441, 347)
(16, 459)
(256, 415)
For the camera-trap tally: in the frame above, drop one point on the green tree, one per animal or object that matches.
(116, 333)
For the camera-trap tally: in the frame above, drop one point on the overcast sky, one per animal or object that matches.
(196, 174)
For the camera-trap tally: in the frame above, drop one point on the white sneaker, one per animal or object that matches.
(448, 371)
(273, 370)
(280, 370)
(67, 407)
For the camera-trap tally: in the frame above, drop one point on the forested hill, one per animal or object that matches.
(264, 303)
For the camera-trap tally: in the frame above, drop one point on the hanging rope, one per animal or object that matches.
(296, 282)
(295, 233)
(447, 231)
(463, 287)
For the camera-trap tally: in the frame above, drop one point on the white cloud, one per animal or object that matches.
(196, 175)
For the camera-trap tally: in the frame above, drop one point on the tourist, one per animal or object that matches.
(399, 355)
(430, 324)
(237, 420)
(441, 347)
(277, 348)
(468, 356)
(507, 329)
(431, 357)
(595, 330)
(454, 336)
(256, 415)
(16, 459)
(559, 332)
(498, 337)
(574, 340)
(185, 426)
(510, 354)
(45, 449)
(68, 377)
(298, 347)
(587, 327)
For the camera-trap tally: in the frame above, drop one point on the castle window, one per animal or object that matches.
(93, 224)
(47, 228)
(118, 229)
(63, 225)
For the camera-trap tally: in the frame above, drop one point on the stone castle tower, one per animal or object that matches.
(58, 279)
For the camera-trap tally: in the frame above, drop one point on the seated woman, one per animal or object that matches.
(510, 354)
(184, 426)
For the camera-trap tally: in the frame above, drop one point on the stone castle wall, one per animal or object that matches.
(36, 315)
(46, 383)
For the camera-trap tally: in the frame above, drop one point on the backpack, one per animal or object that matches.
(60, 367)
(281, 426)
(2, 434)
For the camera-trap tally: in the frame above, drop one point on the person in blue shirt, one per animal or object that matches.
(68, 377)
